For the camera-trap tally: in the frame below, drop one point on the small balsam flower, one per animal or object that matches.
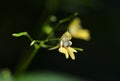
(65, 46)
(76, 30)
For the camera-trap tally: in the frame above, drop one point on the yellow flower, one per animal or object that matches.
(64, 46)
(77, 31)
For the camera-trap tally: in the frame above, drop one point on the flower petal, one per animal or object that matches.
(76, 30)
(82, 34)
(66, 36)
(71, 52)
(64, 51)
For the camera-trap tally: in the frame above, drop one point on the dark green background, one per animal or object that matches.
(101, 59)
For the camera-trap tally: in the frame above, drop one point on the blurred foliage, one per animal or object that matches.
(70, 5)
(48, 76)
(47, 29)
(6, 75)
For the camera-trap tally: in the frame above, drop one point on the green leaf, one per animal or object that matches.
(48, 76)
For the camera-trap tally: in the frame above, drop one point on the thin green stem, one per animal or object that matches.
(29, 37)
(60, 22)
(26, 63)
(54, 39)
(79, 49)
(26, 60)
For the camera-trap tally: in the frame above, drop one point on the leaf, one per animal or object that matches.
(48, 76)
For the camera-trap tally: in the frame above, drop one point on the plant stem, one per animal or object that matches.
(29, 37)
(26, 62)
(60, 22)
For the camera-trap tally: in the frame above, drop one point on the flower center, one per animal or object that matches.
(65, 43)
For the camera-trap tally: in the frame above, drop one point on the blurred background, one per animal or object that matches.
(100, 60)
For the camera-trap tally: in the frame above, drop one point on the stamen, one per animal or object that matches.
(66, 43)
